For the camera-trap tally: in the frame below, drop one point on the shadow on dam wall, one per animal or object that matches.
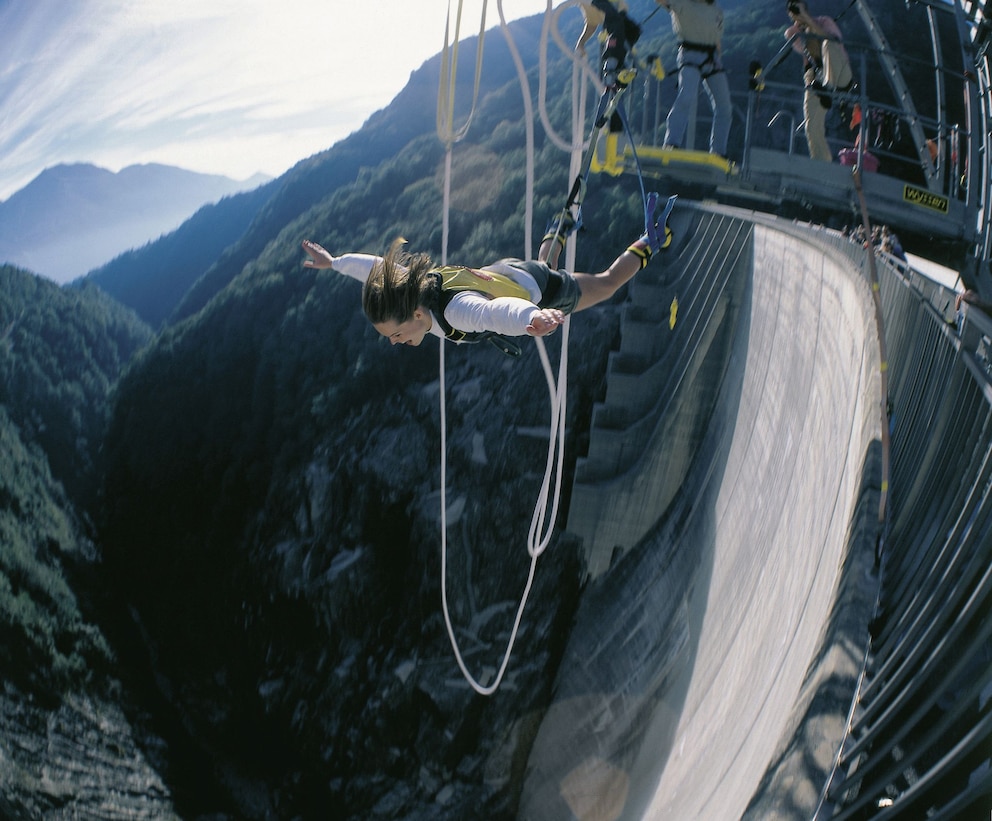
(714, 656)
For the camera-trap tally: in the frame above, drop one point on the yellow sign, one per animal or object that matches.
(917, 196)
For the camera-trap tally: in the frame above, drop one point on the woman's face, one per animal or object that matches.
(411, 332)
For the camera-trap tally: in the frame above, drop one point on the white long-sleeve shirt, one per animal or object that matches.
(467, 311)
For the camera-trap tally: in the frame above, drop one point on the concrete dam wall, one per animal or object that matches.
(727, 509)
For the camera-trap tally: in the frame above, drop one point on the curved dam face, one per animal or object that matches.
(710, 668)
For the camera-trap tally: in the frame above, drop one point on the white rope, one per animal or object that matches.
(529, 130)
(449, 69)
(543, 520)
(536, 542)
(580, 66)
(445, 122)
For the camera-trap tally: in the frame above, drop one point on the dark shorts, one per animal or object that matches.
(558, 288)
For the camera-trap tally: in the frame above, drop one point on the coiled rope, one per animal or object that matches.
(546, 508)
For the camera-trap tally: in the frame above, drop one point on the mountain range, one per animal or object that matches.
(72, 218)
(261, 364)
(219, 574)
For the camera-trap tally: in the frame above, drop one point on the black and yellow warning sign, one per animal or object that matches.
(917, 196)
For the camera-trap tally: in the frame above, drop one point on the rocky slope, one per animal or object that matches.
(282, 552)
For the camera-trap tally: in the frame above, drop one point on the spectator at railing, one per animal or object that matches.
(889, 243)
(970, 297)
(826, 68)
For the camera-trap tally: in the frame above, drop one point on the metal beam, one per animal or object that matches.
(901, 90)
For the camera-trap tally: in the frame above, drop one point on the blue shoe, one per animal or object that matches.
(560, 227)
(656, 239)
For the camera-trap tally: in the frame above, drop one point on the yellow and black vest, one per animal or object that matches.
(453, 279)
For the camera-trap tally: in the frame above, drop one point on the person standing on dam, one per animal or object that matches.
(826, 68)
(698, 25)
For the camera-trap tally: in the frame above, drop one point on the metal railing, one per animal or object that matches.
(772, 118)
(921, 737)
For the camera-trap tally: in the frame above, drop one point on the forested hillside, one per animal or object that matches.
(47, 644)
(65, 738)
(265, 494)
(61, 350)
(153, 279)
(272, 488)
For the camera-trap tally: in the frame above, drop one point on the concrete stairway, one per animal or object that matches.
(661, 382)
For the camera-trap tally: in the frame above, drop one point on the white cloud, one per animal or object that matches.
(223, 86)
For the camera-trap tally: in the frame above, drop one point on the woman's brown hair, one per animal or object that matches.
(398, 285)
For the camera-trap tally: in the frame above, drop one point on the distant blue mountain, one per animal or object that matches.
(153, 279)
(73, 218)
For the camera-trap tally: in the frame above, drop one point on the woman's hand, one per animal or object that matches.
(319, 257)
(544, 321)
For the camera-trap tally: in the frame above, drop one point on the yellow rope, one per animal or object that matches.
(449, 73)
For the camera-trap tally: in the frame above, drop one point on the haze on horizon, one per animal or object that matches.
(217, 86)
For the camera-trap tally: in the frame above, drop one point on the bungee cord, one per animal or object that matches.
(549, 496)
(581, 152)
(447, 85)
(536, 542)
(528, 128)
(446, 106)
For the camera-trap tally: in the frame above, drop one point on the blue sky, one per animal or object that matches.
(219, 86)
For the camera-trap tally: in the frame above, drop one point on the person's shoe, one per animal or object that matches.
(560, 227)
(659, 235)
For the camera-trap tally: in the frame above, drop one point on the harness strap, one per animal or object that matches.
(710, 52)
(650, 202)
(708, 48)
(445, 290)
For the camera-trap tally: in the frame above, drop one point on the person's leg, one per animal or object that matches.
(596, 288)
(718, 90)
(678, 115)
(550, 250)
(558, 230)
(816, 121)
(816, 126)
(836, 65)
